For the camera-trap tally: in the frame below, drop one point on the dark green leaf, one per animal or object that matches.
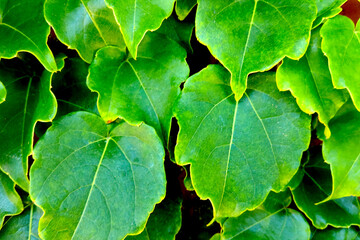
(250, 36)
(93, 182)
(183, 8)
(232, 146)
(337, 234)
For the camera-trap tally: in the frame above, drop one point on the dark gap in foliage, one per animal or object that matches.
(351, 9)
(58, 47)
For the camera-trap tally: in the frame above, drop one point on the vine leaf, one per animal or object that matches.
(341, 44)
(23, 226)
(136, 17)
(309, 80)
(28, 101)
(10, 203)
(2, 92)
(254, 35)
(83, 170)
(327, 9)
(184, 7)
(316, 186)
(23, 24)
(342, 152)
(84, 25)
(337, 233)
(140, 90)
(233, 145)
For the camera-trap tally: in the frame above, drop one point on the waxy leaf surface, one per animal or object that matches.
(309, 80)
(327, 9)
(93, 182)
(23, 28)
(140, 90)
(23, 226)
(84, 25)
(232, 146)
(315, 187)
(342, 152)
(28, 101)
(10, 203)
(341, 44)
(337, 234)
(136, 17)
(183, 8)
(254, 35)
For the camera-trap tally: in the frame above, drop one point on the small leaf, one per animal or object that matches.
(10, 203)
(254, 35)
(140, 90)
(184, 7)
(95, 183)
(164, 223)
(2, 92)
(136, 17)
(315, 187)
(28, 101)
(342, 152)
(84, 25)
(233, 146)
(341, 44)
(327, 9)
(309, 80)
(23, 28)
(23, 226)
(337, 234)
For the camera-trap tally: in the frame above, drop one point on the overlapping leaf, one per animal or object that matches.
(23, 226)
(337, 233)
(254, 35)
(23, 28)
(183, 8)
(309, 80)
(327, 9)
(84, 25)
(341, 44)
(93, 182)
(315, 187)
(10, 203)
(143, 89)
(136, 17)
(28, 101)
(232, 146)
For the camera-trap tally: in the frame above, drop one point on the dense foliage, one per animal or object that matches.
(164, 119)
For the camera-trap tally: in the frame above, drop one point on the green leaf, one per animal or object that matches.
(315, 187)
(232, 146)
(23, 24)
(277, 223)
(341, 44)
(184, 7)
(254, 35)
(10, 203)
(164, 223)
(140, 90)
(309, 80)
(136, 17)
(337, 234)
(28, 101)
(93, 182)
(84, 25)
(2, 92)
(342, 152)
(327, 9)
(23, 226)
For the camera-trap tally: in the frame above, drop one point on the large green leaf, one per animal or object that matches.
(341, 44)
(309, 80)
(2, 92)
(183, 8)
(342, 152)
(327, 9)
(23, 28)
(140, 90)
(10, 203)
(254, 35)
(23, 226)
(337, 234)
(96, 183)
(275, 221)
(136, 17)
(164, 223)
(28, 101)
(233, 145)
(84, 25)
(315, 187)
